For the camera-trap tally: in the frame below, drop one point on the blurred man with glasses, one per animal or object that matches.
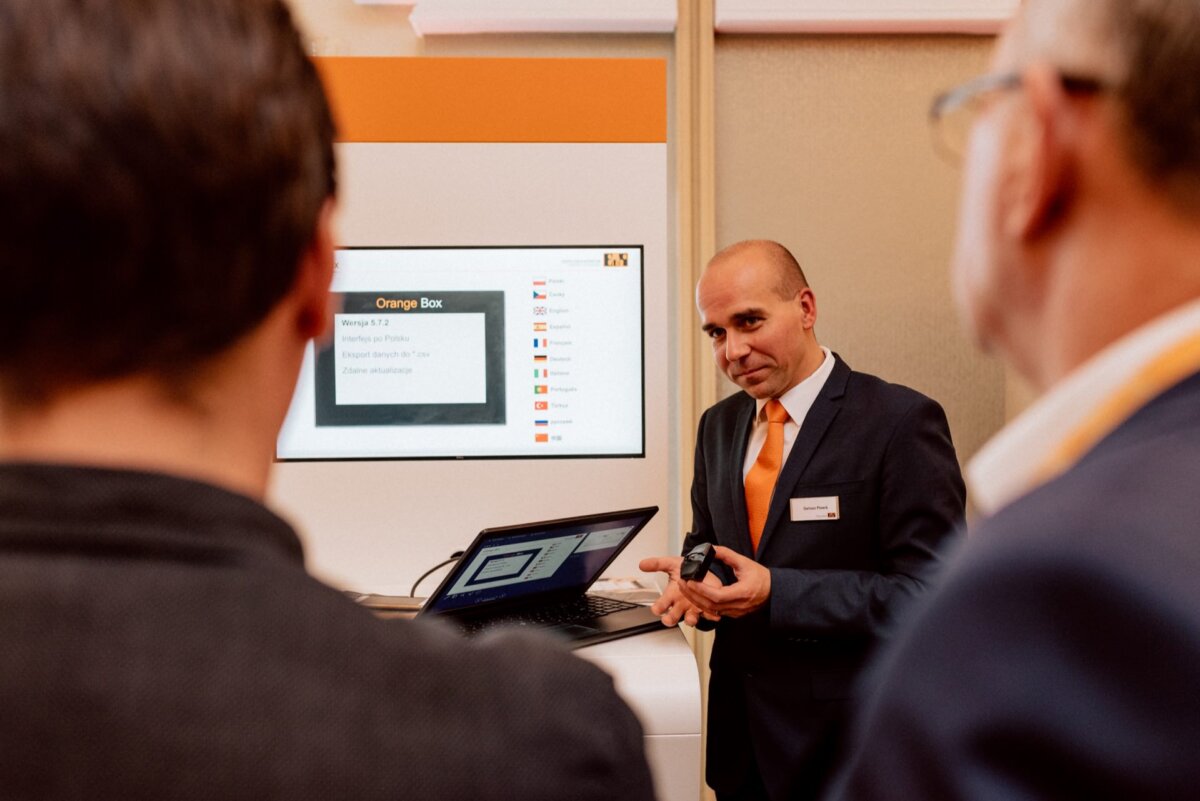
(1060, 656)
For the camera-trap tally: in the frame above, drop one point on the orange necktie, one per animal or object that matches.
(760, 481)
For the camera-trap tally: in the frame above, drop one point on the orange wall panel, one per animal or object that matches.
(497, 99)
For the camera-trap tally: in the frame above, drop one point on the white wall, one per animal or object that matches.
(376, 526)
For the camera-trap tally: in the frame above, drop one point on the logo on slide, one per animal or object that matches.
(616, 259)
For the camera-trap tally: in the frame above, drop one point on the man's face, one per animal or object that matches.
(760, 339)
(976, 274)
(981, 251)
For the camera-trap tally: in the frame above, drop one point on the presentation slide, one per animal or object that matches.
(519, 352)
(413, 358)
(410, 362)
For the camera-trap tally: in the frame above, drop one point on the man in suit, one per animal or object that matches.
(1060, 657)
(828, 494)
(167, 181)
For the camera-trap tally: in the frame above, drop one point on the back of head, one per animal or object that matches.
(164, 165)
(1148, 53)
(1160, 40)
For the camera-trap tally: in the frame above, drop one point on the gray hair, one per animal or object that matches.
(1148, 52)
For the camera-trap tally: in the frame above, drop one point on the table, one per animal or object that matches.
(656, 675)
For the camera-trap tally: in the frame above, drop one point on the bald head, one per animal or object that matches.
(766, 251)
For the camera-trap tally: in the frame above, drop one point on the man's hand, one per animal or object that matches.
(673, 605)
(748, 593)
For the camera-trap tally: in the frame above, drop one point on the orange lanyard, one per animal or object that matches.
(1169, 368)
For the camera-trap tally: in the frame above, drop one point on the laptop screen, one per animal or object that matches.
(519, 562)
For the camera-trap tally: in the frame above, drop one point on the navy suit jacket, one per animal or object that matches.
(781, 676)
(1060, 658)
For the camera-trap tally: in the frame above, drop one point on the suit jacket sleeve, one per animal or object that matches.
(920, 505)
(702, 521)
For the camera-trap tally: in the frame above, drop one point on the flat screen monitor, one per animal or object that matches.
(480, 352)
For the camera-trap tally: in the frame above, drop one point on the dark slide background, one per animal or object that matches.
(491, 304)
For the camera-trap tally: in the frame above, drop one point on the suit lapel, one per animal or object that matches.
(737, 488)
(824, 409)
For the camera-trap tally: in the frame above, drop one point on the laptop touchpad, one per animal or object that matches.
(572, 630)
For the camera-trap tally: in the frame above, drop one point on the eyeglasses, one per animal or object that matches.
(953, 113)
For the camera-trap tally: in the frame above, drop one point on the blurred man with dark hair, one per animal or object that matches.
(1060, 657)
(167, 179)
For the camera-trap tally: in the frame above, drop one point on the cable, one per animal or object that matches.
(454, 557)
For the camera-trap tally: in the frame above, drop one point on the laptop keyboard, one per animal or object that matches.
(575, 610)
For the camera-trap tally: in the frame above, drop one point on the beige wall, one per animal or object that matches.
(344, 28)
(822, 143)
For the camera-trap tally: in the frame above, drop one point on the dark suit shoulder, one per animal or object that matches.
(501, 717)
(719, 423)
(1059, 654)
(729, 407)
(869, 390)
(1133, 507)
(497, 716)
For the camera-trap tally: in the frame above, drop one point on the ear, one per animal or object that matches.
(1042, 164)
(314, 275)
(808, 307)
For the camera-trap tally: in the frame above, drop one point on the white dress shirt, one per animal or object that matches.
(1011, 463)
(797, 400)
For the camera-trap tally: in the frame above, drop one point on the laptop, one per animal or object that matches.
(536, 576)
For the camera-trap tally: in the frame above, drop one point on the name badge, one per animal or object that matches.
(826, 508)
